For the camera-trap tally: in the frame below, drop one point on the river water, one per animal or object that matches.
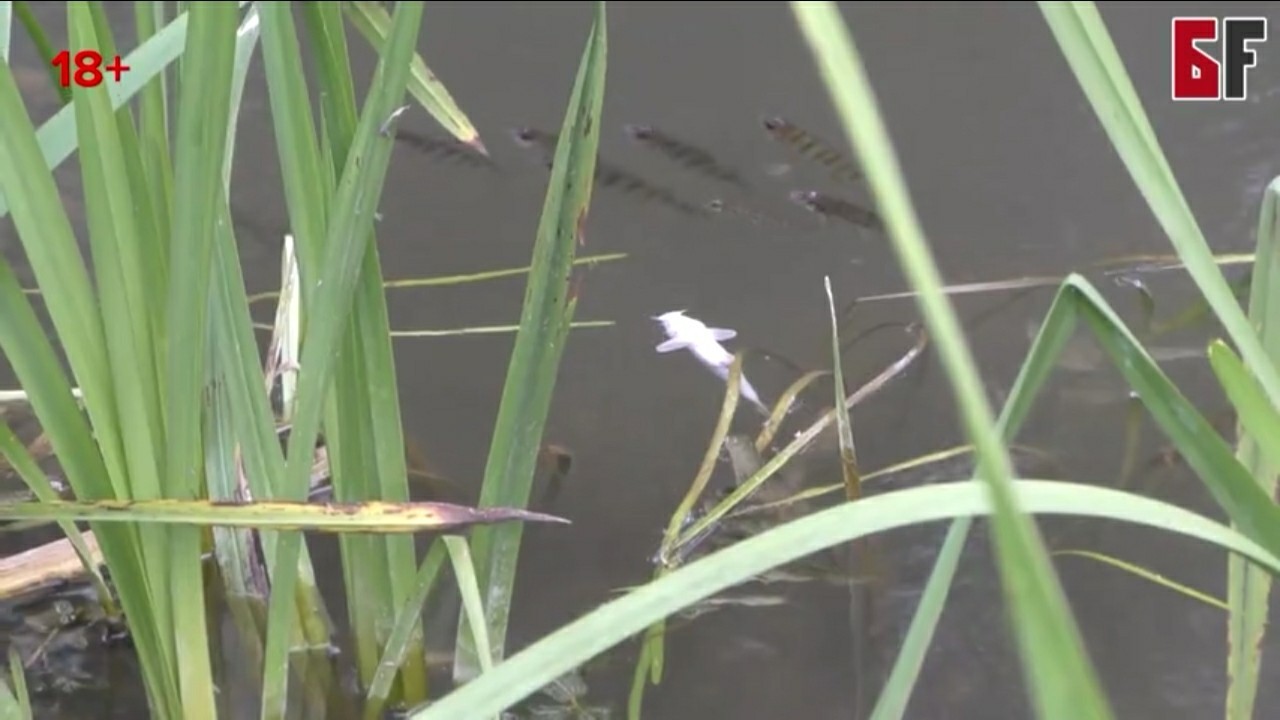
(1011, 174)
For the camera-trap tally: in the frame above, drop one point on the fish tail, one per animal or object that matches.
(750, 394)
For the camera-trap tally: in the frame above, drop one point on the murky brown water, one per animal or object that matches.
(1012, 175)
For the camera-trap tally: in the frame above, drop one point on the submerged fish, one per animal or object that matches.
(444, 148)
(684, 153)
(812, 148)
(686, 333)
(829, 206)
(607, 175)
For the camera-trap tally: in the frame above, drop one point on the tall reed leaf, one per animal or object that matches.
(327, 310)
(1063, 683)
(549, 302)
(1249, 587)
(363, 430)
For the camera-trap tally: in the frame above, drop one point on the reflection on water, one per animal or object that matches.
(1012, 177)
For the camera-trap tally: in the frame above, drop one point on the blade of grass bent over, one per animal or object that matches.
(1062, 682)
(371, 19)
(572, 645)
(549, 302)
(1087, 46)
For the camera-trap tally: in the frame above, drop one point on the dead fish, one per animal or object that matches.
(684, 153)
(829, 206)
(812, 148)
(443, 149)
(607, 175)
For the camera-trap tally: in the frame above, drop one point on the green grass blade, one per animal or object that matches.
(1230, 484)
(892, 703)
(295, 134)
(246, 43)
(1248, 589)
(153, 134)
(1256, 415)
(120, 273)
(362, 421)
(549, 303)
(569, 647)
(371, 19)
(1087, 46)
(349, 434)
(203, 111)
(1054, 333)
(1062, 682)
(15, 700)
(408, 621)
(472, 606)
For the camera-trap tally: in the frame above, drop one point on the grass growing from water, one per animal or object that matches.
(167, 311)
(158, 320)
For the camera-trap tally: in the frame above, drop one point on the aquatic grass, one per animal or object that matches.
(15, 700)
(1227, 480)
(362, 413)
(407, 623)
(523, 673)
(159, 315)
(1093, 58)
(330, 255)
(551, 296)
(1249, 588)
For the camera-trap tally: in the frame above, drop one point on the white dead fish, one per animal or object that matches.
(686, 333)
